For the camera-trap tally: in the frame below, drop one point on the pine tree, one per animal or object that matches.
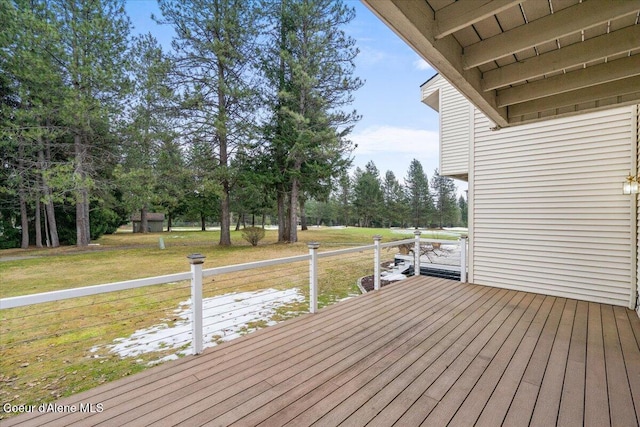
(215, 50)
(368, 196)
(464, 211)
(32, 89)
(418, 195)
(395, 208)
(93, 38)
(148, 129)
(444, 195)
(309, 65)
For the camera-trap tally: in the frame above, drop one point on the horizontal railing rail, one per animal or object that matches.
(197, 274)
(24, 300)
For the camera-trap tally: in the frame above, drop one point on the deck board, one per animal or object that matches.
(423, 351)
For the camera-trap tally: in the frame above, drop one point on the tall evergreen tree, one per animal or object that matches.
(464, 211)
(93, 37)
(309, 64)
(215, 50)
(419, 197)
(368, 195)
(395, 208)
(203, 192)
(148, 128)
(444, 195)
(32, 95)
(343, 198)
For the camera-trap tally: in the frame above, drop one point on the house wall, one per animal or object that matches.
(153, 226)
(636, 129)
(455, 126)
(455, 132)
(548, 214)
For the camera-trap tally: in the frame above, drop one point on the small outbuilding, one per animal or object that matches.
(155, 222)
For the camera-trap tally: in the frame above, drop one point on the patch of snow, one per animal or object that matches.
(393, 276)
(225, 317)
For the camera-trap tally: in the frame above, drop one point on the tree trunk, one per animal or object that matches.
(225, 218)
(38, 222)
(203, 225)
(24, 220)
(169, 216)
(144, 221)
(24, 215)
(46, 227)
(238, 223)
(282, 218)
(303, 216)
(293, 213)
(83, 234)
(49, 208)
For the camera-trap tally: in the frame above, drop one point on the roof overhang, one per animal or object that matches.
(521, 61)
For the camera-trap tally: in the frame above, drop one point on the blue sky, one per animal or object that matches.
(395, 127)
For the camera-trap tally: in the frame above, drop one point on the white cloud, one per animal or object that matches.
(396, 140)
(369, 57)
(422, 65)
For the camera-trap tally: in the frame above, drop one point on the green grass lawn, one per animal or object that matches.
(49, 350)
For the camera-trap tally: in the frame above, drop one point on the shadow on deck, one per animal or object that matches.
(423, 350)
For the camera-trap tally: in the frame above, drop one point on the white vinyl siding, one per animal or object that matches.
(455, 133)
(637, 137)
(455, 127)
(549, 215)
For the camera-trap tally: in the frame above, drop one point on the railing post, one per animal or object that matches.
(463, 259)
(196, 261)
(313, 276)
(416, 253)
(376, 260)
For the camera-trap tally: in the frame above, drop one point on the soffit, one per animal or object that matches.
(522, 61)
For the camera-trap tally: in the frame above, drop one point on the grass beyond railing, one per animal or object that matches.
(59, 343)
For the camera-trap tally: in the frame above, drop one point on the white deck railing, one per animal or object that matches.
(197, 274)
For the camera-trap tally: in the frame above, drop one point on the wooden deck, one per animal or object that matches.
(424, 351)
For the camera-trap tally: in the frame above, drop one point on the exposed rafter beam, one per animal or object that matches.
(414, 22)
(562, 23)
(464, 13)
(593, 49)
(583, 78)
(604, 91)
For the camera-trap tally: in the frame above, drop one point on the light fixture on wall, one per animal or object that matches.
(630, 185)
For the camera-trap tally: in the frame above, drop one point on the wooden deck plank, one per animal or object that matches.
(454, 385)
(501, 399)
(392, 376)
(416, 325)
(343, 379)
(408, 387)
(596, 401)
(486, 385)
(219, 358)
(392, 401)
(618, 390)
(445, 372)
(549, 393)
(218, 397)
(630, 352)
(424, 351)
(635, 326)
(571, 412)
(224, 359)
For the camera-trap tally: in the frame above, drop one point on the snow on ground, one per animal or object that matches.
(434, 234)
(225, 317)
